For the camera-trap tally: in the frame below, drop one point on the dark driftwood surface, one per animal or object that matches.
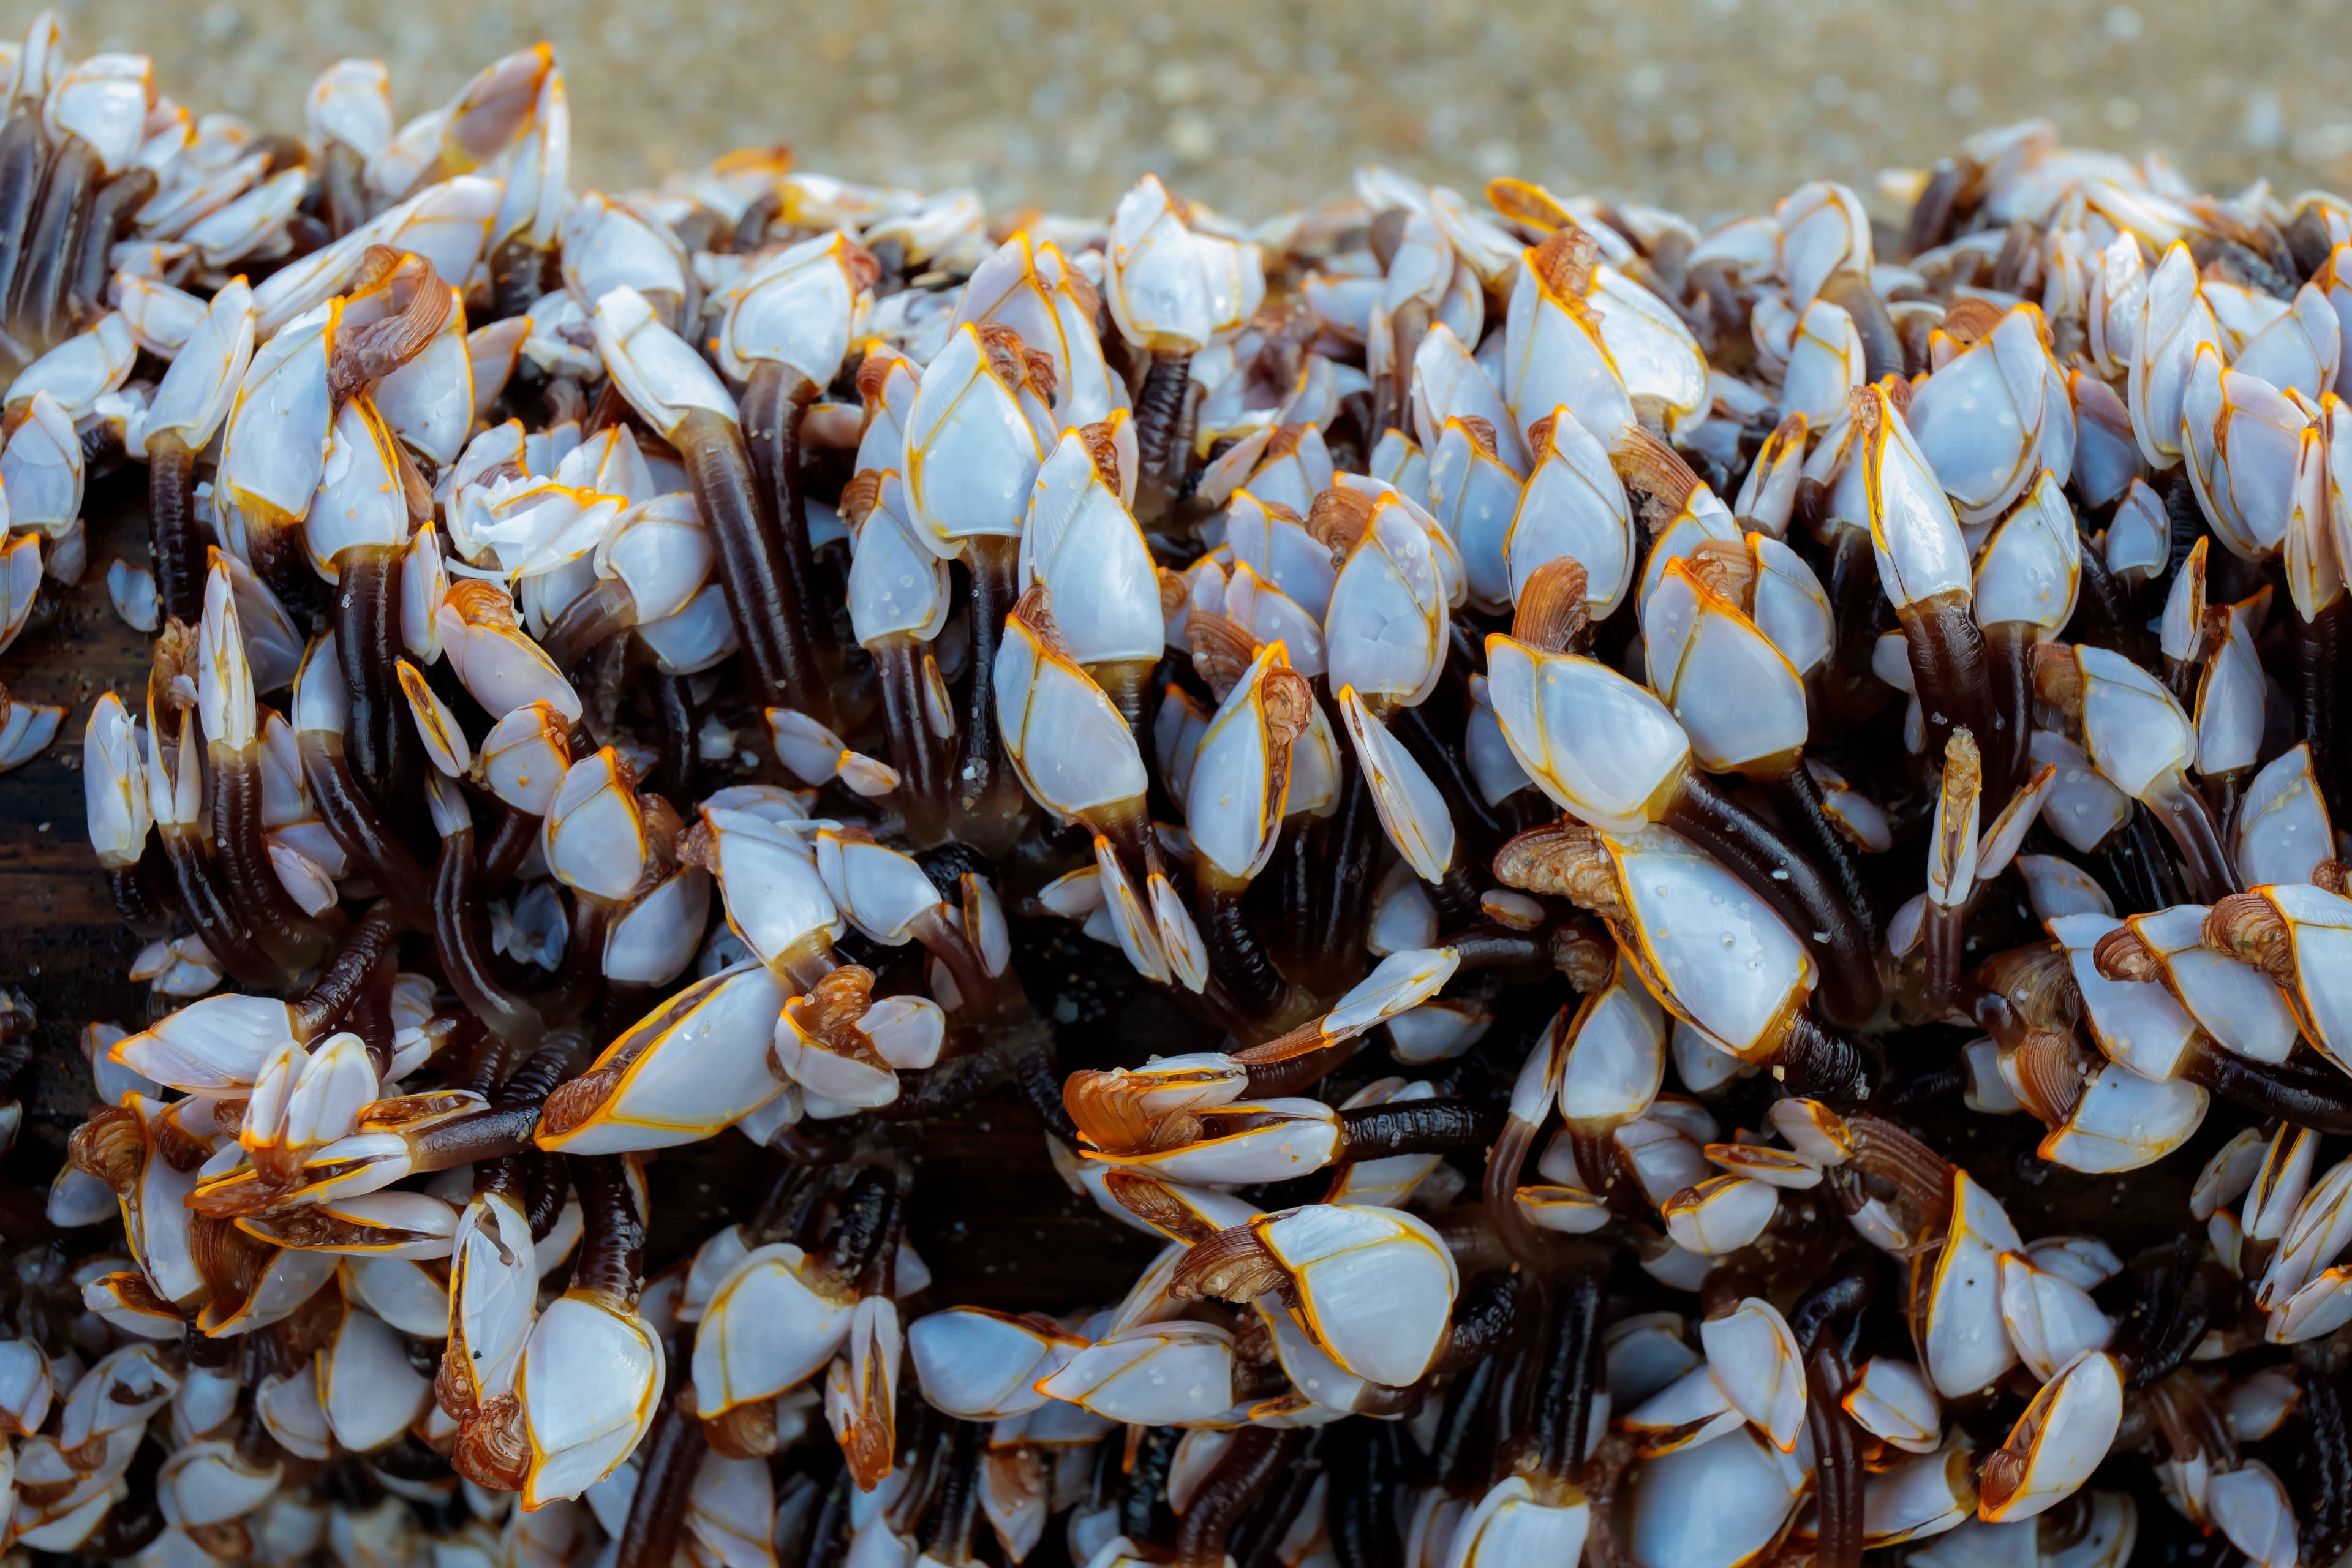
(992, 1218)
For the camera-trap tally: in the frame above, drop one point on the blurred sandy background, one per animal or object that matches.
(1707, 105)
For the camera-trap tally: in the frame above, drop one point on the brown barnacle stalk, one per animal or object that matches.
(377, 734)
(612, 1257)
(1609, 1174)
(1953, 188)
(141, 890)
(1881, 347)
(1566, 1378)
(37, 298)
(363, 951)
(658, 1513)
(2060, 681)
(112, 212)
(204, 896)
(1851, 692)
(24, 153)
(349, 812)
(862, 1255)
(1415, 1127)
(445, 1129)
(749, 562)
(985, 996)
(1245, 1469)
(918, 716)
(1944, 926)
(1826, 1322)
(1164, 433)
(282, 928)
(175, 543)
(1285, 707)
(384, 752)
(775, 404)
(1339, 906)
(458, 935)
(991, 804)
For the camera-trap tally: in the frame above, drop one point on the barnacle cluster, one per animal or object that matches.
(1640, 757)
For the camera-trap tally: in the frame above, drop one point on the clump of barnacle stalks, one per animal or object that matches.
(1735, 826)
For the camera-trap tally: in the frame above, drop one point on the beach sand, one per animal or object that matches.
(1709, 106)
